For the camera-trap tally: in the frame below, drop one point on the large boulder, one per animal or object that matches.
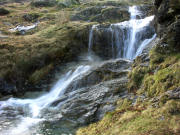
(91, 103)
(3, 11)
(109, 41)
(86, 100)
(168, 24)
(166, 12)
(103, 72)
(31, 17)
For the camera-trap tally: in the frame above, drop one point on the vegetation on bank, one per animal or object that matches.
(150, 111)
(140, 119)
(155, 84)
(31, 57)
(160, 76)
(54, 41)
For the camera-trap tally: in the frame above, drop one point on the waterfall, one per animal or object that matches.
(33, 107)
(129, 37)
(126, 40)
(91, 37)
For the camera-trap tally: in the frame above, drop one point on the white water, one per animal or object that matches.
(144, 44)
(124, 40)
(33, 107)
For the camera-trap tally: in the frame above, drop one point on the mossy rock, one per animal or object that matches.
(43, 3)
(40, 74)
(31, 17)
(3, 11)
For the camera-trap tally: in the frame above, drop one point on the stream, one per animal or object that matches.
(40, 115)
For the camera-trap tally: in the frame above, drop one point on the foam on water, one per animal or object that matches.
(33, 107)
(124, 40)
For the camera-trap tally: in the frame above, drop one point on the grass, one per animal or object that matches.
(138, 120)
(162, 74)
(147, 116)
(55, 41)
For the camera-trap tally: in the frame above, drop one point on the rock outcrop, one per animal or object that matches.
(109, 41)
(168, 24)
(89, 97)
(106, 12)
(30, 68)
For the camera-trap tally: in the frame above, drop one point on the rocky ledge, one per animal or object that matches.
(89, 97)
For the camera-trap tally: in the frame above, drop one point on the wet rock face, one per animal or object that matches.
(166, 11)
(108, 40)
(91, 103)
(147, 10)
(89, 100)
(6, 88)
(102, 42)
(104, 72)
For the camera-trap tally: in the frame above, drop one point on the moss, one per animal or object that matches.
(47, 3)
(160, 76)
(40, 74)
(156, 58)
(124, 104)
(32, 17)
(151, 121)
(164, 78)
(136, 77)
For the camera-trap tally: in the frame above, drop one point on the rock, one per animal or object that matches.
(61, 99)
(165, 13)
(86, 13)
(147, 10)
(7, 88)
(89, 104)
(157, 3)
(3, 11)
(2, 36)
(114, 14)
(43, 3)
(7, 23)
(89, 100)
(173, 94)
(67, 3)
(31, 17)
(23, 29)
(103, 13)
(108, 70)
(170, 39)
(107, 40)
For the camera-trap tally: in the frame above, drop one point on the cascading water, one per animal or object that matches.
(31, 108)
(128, 38)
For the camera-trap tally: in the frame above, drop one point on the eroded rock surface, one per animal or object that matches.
(89, 97)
